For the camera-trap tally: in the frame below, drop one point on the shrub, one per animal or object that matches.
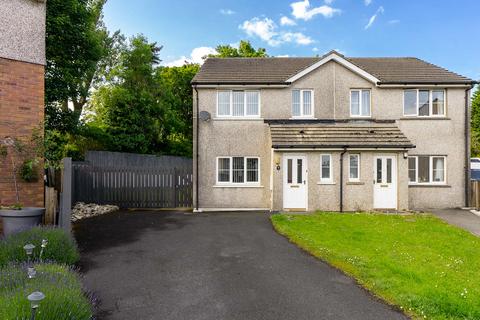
(64, 297)
(61, 247)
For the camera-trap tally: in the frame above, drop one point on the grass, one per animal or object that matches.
(430, 269)
(64, 298)
(61, 247)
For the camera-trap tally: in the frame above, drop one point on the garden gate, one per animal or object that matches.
(133, 180)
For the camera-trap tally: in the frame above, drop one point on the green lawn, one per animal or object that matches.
(428, 268)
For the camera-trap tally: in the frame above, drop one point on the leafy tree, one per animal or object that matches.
(175, 93)
(245, 50)
(76, 41)
(127, 108)
(475, 123)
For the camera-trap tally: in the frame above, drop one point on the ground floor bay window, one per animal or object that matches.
(427, 169)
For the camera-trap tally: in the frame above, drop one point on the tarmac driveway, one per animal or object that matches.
(169, 265)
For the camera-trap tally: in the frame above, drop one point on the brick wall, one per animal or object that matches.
(21, 110)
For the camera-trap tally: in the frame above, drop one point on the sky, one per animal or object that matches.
(443, 32)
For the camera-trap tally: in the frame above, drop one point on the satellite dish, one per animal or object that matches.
(204, 115)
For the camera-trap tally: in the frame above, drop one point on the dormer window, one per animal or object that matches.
(424, 103)
(238, 103)
(302, 103)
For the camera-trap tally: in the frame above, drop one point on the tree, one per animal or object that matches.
(245, 50)
(76, 41)
(475, 123)
(127, 107)
(175, 93)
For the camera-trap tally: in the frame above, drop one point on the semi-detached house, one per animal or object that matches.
(329, 133)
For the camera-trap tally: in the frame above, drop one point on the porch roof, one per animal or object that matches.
(338, 135)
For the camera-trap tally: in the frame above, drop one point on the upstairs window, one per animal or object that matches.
(426, 169)
(360, 103)
(238, 170)
(302, 103)
(424, 103)
(238, 103)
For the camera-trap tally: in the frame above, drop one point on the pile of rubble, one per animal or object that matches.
(83, 210)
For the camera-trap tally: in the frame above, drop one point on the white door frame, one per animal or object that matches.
(285, 157)
(393, 184)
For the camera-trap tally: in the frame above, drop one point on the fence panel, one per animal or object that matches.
(149, 186)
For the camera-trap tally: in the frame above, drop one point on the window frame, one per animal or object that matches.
(360, 103)
(357, 179)
(430, 170)
(330, 179)
(430, 103)
(245, 172)
(244, 116)
(302, 116)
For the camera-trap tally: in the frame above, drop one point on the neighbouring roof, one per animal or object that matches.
(279, 70)
(338, 135)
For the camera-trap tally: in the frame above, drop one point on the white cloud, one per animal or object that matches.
(286, 21)
(266, 30)
(329, 1)
(315, 49)
(227, 12)
(196, 56)
(283, 56)
(372, 18)
(367, 2)
(262, 28)
(302, 10)
(394, 21)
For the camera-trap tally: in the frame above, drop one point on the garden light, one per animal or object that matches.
(29, 250)
(44, 245)
(31, 272)
(35, 299)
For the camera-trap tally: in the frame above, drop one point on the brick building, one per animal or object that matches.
(22, 65)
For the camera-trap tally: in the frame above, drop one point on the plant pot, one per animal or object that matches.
(19, 220)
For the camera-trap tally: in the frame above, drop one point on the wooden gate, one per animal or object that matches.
(151, 186)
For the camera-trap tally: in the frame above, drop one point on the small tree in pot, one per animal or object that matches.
(28, 153)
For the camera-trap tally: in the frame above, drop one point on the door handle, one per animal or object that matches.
(304, 181)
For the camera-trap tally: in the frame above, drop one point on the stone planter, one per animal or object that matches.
(19, 220)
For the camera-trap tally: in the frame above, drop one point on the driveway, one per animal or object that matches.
(158, 265)
(460, 218)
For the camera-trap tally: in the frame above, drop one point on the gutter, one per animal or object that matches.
(341, 177)
(467, 148)
(196, 149)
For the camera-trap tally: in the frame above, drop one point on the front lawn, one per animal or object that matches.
(428, 268)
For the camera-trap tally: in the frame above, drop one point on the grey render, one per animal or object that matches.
(331, 83)
(22, 30)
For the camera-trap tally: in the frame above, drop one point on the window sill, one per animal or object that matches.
(238, 119)
(353, 183)
(303, 118)
(424, 118)
(429, 185)
(360, 117)
(237, 186)
(331, 183)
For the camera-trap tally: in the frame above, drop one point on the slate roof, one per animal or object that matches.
(279, 70)
(338, 135)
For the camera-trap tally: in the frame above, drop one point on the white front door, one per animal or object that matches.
(385, 182)
(295, 182)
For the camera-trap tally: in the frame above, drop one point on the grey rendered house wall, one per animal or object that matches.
(331, 84)
(26, 40)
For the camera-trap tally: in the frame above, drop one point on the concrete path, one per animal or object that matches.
(157, 265)
(460, 218)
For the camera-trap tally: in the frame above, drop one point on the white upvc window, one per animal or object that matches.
(354, 167)
(360, 103)
(302, 103)
(238, 170)
(238, 103)
(326, 171)
(427, 169)
(424, 103)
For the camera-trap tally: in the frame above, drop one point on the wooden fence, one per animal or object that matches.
(475, 194)
(132, 187)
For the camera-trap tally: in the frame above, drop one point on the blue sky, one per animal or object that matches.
(441, 32)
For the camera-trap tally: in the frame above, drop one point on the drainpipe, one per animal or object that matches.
(341, 178)
(196, 149)
(467, 148)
